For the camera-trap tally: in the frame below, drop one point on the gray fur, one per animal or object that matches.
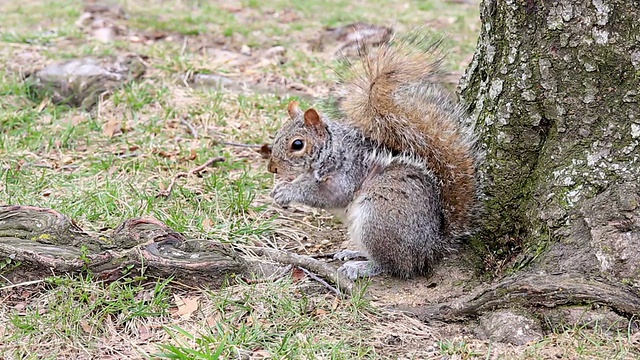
(331, 179)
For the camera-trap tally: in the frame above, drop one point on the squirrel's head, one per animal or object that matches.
(298, 142)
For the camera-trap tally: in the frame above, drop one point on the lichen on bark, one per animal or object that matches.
(553, 90)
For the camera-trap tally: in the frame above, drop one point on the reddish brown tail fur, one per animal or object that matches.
(395, 96)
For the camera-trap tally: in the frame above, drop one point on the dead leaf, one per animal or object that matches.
(143, 332)
(260, 354)
(207, 224)
(249, 321)
(297, 274)
(112, 170)
(43, 104)
(77, 119)
(155, 35)
(265, 151)
(352, 37)
(165, 154)
(112, 128)
(85, 326)
(287, 16)
(231, 8)
(336, 303)
(213, 319)
(321, 312)
(66, 160)
(192, 155)
(186, 306)
(144, 295)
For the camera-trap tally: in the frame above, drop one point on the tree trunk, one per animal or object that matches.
(553, 89)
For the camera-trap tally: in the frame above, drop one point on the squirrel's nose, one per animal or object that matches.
(272, 168)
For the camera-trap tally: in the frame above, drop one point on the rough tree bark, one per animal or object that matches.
(48, 242)
(553, 89)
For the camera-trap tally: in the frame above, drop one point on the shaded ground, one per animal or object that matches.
(217, 76)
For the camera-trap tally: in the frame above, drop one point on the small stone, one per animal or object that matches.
(274, 51)
(212, 80)
(245, 50)
(84, 19)
(507, 327)
(82, 82)
(105, 34)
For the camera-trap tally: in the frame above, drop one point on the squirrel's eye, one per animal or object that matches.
(297, 145)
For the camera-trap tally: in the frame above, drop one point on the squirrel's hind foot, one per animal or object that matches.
(360, 269)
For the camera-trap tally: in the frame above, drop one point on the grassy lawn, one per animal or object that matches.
(109, 164)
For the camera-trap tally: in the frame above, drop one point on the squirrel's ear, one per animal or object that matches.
(312, 120)
(294, 110)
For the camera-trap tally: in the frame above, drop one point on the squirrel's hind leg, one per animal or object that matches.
(396, 218)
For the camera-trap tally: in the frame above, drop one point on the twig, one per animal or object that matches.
(44, 166)
(252, 146)
(270, 278)
(192, 129)
(325, 270)
(318, 279)
(129, 155)
(325, 255)
(26, 46)
(27, 283)
(195, 170)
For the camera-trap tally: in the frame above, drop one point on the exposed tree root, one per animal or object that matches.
(534, 290)
(46, 239)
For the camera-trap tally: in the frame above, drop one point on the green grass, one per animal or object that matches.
(62, 158)
(76, 311)
(277, 320)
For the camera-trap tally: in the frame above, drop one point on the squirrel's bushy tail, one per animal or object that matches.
(394, 94)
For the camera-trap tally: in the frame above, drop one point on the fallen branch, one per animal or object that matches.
(344, 284)
(26, 283)
(318, 279)
(166, 192)
(263, 150)
(272, 278)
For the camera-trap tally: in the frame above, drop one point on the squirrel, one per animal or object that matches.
(395, 158)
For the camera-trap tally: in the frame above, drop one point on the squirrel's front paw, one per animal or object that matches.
(281, 194)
